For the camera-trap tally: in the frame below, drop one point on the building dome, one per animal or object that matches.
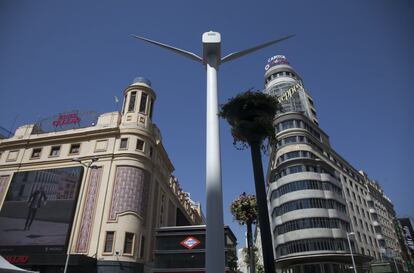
(142, 80)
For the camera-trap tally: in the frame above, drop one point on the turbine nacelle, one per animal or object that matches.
(211, 45)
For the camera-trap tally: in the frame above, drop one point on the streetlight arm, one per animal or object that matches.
(179, 51)
(235, 55)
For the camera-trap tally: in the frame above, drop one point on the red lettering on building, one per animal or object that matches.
(65, 119)
(17, 259)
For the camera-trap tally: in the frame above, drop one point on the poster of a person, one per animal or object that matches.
(36, 200)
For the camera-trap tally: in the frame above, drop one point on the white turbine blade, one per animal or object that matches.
(238, 54)
(182, 52)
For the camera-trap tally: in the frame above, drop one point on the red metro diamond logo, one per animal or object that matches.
(190, 242)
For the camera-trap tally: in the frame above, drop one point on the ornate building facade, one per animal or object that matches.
(98, 191)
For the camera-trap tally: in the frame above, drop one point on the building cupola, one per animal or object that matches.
(138, 103)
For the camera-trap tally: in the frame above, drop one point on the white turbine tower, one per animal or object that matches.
(212, 60)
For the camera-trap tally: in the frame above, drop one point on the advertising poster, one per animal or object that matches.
(38, 210)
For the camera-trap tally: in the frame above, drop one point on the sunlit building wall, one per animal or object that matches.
(315, 196)
(126, 192)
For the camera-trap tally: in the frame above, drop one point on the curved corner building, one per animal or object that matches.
(307, 204)
(106, 184)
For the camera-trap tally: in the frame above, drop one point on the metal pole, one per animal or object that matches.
(350, 249)
(396, 266)
(250, 248)
(393, 258)
(215, 223)
(264, 223)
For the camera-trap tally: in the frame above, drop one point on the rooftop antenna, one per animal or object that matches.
(12, 126)
(211, 60)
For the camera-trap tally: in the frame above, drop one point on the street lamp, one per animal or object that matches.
(214, 196)
(348, 235)
(392, 255)
(88, 166)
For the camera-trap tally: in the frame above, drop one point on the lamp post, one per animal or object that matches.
(211, 60)
(392, 255)
(88, 166)
(348, 235)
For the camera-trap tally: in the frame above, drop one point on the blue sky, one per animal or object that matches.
(355, 58)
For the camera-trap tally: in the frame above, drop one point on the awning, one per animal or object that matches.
(6, 267)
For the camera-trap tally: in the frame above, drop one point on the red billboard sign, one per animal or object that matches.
(65, 119)
(17, 259)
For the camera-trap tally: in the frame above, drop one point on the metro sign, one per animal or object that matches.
(190, 242)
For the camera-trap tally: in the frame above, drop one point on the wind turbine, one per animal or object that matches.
(211, 60)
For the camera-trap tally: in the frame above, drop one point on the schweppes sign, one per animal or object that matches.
(289, 93)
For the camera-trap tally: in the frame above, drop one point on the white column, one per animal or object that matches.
(215, 226)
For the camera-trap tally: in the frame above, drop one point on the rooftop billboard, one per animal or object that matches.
(66, 121)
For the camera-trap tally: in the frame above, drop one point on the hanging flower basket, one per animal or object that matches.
(250, 115)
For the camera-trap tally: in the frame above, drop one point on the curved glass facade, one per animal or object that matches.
(308, 203)
(316, 222)
(305, 185)
(299, 168)
(317, 244)
(305, 193)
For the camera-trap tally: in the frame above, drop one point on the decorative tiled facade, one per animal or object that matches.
(131, 191)
(3, 185)
(89, 210)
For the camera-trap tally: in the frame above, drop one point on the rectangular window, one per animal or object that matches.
(55, 151)
(140, 145)
(132, 98)
(141, 249)
(143, 104)
(295, 169)
(124, 143)
(109, 241)
(36, 152)
(151, 108)
(74, 149)
(129, 243)
(291, 139)
(161, 221)
(287, 124)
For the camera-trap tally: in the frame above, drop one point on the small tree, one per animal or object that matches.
(244, 210)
